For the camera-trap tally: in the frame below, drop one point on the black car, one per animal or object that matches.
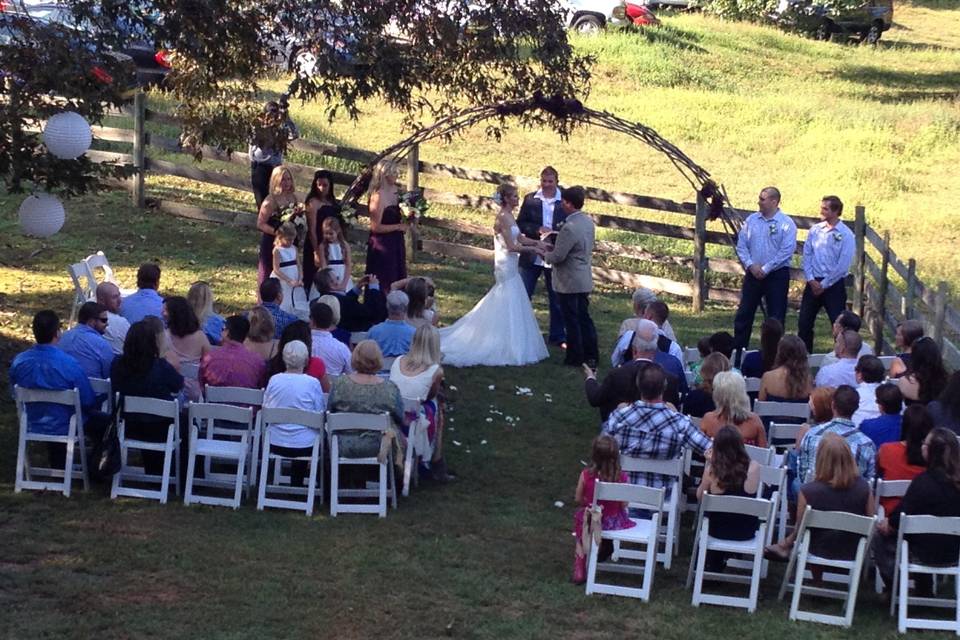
(866, 21)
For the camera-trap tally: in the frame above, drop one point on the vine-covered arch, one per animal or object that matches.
(574, 112)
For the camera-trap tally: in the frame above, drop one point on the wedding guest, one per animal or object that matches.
(722, 342)
(338, 332)
(145, 301)
(335, 354)
(870, 373)
(846, 321)
(265, 150)
(887, 426)
(658, 312)
(908, 332)
(186, 339)
(283, 196)
(733, 408)
(315, 367)
(757, 363)
(355, 314)
(843, 371)
(86, 342)
(902, 457)
(155, 324)
(200, 298)
(271, 296)
(845, 402)
(700, 400)
(926, 377)
(703, 349)
(789, 380)
(418, 290)
(386, 253)
(233, 365)
(108, 294)
(394, 334)
(640, 299)
(260, 338)
(945, 410)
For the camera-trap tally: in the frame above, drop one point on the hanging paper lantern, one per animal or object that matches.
(41, 215)
(67, 135)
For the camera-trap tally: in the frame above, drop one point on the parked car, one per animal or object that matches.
(867, 21)
(590, 16)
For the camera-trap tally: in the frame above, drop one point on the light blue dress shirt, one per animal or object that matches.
(827, 253)
(144, 302)
(91, 350)
(767, 242)
(392, 336)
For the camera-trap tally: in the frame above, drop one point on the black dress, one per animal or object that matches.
(386, 253)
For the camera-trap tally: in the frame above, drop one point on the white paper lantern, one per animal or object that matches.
(67, 135)
(41, 215)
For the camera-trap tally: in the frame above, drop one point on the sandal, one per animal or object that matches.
(776, 553)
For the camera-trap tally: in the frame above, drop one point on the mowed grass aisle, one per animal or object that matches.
(486, 557)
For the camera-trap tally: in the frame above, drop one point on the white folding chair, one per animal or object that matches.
(310, 419)
(815, 360)
(691, 378)
(760, 455)
(73, 441)
(753, 385)
(379, 423)
(356, 337)
(782, 436)
(690, 355)
(190, 370)
(418, 443)
(693, 468)
(387, 363)
(763, 510)
(775, 479)
(99, 261)
(244, 397)
(102, 387)
(168, 409)
(84, 285)
(673, 501)
(644, 532)
(901, 599)
(887, 361)
(772, 409)
(210, 439)
(800, 557)
(885, 489)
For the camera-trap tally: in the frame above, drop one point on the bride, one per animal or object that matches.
(500, 329)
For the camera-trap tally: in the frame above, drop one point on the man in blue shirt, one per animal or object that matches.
(887, 426)
(827, 254)
(146, 301)
(394, 335)
(765, 246)
(86, 343)
(271, 295)
(45, 366)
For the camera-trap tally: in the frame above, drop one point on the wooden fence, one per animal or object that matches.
(881, 299)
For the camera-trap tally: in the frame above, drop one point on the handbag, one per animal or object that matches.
(106, 452)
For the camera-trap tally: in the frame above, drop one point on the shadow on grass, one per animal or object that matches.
(939, 81)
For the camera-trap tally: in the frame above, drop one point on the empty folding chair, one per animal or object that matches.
(885, 489)
(673, 500)
(905, 566)
(644, 532)
(55, 479)
(760, 455)
(83, 287)
(801, 557)
(380, 423)
(99, 261)
(753, 548)
(267, 419)
(217, 443)
(170, 447)
(243, 397)
(753, 385)
(356, 337)
(782, 436)
(690, 355)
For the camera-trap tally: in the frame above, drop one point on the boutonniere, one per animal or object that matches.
(773, 227)
(837, 236)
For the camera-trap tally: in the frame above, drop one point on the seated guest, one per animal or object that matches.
(187, 341)
(145, 301)
(934, 492)
(729, 471)
(757, 363)
(362, 391)
(845, 402)
(837, 485)
(620, 384)
(86, 343)
(821, 412)
(700, 399)
(335, 354)
(108, 294)
(870, 374)
(789, 380)
(902, 459)
(233, 365)
(294, 389)
(46, 367)
(908, 332)
(843, 371)
(704, 349)
(200, 298)
(418, 293)
(155, 324)
(887, 426)
(355, 315)
(393, 335)
(658, 312)
(419, 376)
(648, 428)
(926, 376)
(141, 372)
(846, 321)
(260, 338)
(945, 410)
(733, 409)
(722, 342)
(641, 298)
(316, 368)
(673, 367)
(271, 296)
(338, 332)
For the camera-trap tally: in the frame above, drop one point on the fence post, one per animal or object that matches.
(880, 311)
(860, 232)
(940, 313)
(137, 192)
(699, 283)
(413, 183)
(910, 297)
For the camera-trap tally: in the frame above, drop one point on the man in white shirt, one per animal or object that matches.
(846, 347)
(541, 214)
(846, 321)
(335, 354)
(658, 312)
(108, 294)
(870, 374)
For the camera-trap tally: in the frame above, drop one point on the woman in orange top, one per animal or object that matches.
(904, 460)
(733, 408)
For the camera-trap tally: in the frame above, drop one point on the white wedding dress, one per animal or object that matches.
(501, 329)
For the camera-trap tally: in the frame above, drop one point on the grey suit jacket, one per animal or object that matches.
(572, 256)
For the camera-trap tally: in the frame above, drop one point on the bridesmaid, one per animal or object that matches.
(320, 204)
(282, 195)
(386, 255)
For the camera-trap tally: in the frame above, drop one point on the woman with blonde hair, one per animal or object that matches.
(699, 401)
(733, 409)
(281, 198)
(386, 255)
(789, 380)
(260, 338)
(200, 297)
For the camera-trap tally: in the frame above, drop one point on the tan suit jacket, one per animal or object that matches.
(572, 256)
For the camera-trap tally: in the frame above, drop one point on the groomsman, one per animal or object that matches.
(827, 255)
(540, 214)
(765, 247)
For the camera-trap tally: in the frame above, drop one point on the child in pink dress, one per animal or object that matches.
(604, 467)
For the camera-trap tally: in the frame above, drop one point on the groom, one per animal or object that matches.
(573, 278)
(541, 213)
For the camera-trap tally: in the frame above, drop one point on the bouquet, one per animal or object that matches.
(413, 205)
(295, 213)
